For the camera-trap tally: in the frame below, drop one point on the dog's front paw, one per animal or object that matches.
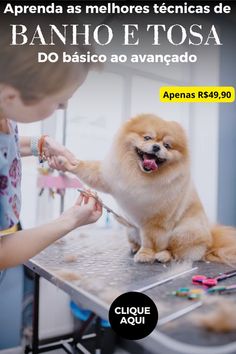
(163, 256)
(145, 255)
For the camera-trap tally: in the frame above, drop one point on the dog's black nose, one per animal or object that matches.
(156, 148)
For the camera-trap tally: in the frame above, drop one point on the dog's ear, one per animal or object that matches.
(180, 137)
(176, 125)
(178, 128)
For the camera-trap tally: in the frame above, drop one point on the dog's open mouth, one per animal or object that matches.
(149, 162)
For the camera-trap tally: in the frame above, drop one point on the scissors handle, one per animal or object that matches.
(96, 198)
(198, 279)
(209, 282)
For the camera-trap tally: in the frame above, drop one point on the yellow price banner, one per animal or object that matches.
(203, 94)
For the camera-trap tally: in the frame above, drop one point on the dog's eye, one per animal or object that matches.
(147, 137)
(167, 146)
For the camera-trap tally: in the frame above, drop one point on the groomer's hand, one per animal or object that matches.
(86, 210)
(57, 154)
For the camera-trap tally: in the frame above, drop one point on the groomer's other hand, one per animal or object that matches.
(57, 154)
(86, 210)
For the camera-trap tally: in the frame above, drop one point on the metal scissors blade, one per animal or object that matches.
(118, 217)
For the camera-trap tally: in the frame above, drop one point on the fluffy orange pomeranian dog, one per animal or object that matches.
(147, 171)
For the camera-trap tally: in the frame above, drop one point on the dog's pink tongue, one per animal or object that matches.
(150, 164)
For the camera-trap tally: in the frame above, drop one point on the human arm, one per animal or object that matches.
(22, 245)
(25, 146)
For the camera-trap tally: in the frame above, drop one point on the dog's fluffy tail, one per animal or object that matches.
(223, 248)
